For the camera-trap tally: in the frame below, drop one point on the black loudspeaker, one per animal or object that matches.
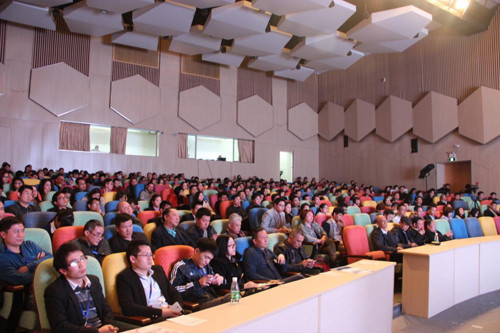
(414, 145)
(346, 141)
(425, 171)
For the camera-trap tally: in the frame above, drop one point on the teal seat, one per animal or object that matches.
(362, 219)
(443, 226)
(45, 205)
(369, 229)
(351, 210)
(219, 225)
(275, 239)
(83, 217)
(144, 204)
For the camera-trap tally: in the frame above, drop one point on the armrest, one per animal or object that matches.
(191, 306)
(222, 292)
(11, 287)
(134, 320)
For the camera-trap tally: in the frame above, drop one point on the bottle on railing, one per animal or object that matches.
(436, 238)
(235, 291)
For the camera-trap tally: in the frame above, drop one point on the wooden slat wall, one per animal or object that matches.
(129, 61)
(307, 91)
(2, 41)
(444, 62)
(253, 82)
(52, 47)
(195, 72)
(121, 70)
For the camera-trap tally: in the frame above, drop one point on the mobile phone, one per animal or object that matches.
(176, 307)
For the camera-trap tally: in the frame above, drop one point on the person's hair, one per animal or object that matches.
(92, 224)
(234, 217)
(152, 199)
(92, 192)
(24, 187)
(196, 203)
(222, 242)
(304, 213)
(8, 222)
(278, 200)
(256, 231)
(388, 212)
(54, 197)
(65, 217)
(427, 223)
(222, 193)
(322, 206)
(121, 218)
(405, 220)
(203, 212)
(42, 185)
(296, 231)
(62, 253)
(473, 212)
(206, 245)
(133, 248)
(338, 211)
(165, 203)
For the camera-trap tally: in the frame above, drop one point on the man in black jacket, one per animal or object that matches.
(295, 254)
(383, 240)
(75, 302)
(168, 231)
(143, 288)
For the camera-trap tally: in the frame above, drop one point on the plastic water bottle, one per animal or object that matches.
(235, 291)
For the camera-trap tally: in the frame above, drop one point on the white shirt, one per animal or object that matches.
(154, 297)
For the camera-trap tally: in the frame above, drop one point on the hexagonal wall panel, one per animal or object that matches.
(435, 116)
(199, 107)
(393, 118)
(135, 98)
(303, 121)
(330, 121)
(59, 88)
(359, 120)
(255, 115)
(478, 115)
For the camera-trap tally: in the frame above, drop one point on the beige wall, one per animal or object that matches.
(34, 132)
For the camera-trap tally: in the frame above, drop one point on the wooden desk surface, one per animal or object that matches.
(430, 249)
(231, 316)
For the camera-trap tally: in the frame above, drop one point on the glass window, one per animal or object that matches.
(191, 146)
(141, 142)
(212, 148)
(100, 138)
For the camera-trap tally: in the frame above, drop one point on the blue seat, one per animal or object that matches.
(255, 216)
(138, 189)
(80, 205)
(8, 203)
(458, 228)
(108, 218)
(245, 204)
(80, 195)
(460, 204)
(242, 244)
(111, 206)
(38, 219)
(473, 227)
(372, 217)
(110, 231)
(377, 199)
(186, 225)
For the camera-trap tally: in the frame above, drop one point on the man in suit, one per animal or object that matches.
(402, 233)
(124, 233)
(492, 210)
(168, 231)
(383, 240)
(143, 288)
(431, 232)
(75, 302)
(202, 227)
(274, 219)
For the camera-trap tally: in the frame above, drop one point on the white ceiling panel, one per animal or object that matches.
(227, 58)
(273, 62)
(118, 6)
(47, 3)
(90, 21)
(136, 39)
(282, 7)
(300, 74)
(27, 14)
(262, 44)
(163, 19)
(394, 24)
(319, 21)
(322, 46)
(194, 42)
(336, 62)
(205, 3)
(392, 46)
(236, 20)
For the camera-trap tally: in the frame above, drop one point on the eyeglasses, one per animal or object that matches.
(76, 262)
(96, 235)
(147, 255)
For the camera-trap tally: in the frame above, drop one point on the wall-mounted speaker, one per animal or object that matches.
(346, 141)
(414, 145)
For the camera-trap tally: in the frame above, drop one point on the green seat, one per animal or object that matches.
(369, 229)
(183, 212)
(81, 218)
(144, 204)
(49, 195)
(45, 205)
(351, 210)
(275, 239)
(295, 222)
(219, 225)
(362, 219)
(443, 226)
(209, 192)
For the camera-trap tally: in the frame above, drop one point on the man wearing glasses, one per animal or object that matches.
(92, 242)
(75, 302)
(143, 288)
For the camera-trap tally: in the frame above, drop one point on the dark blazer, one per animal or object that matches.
(417, 237)
(63, 310)
(160, 237)
(489, 212)
(194, 233)
(131, 294)
(399, 236)
(383, 242)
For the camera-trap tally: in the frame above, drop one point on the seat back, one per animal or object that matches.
(65, 234)
(45, 205)
(497, 223)
(148, 230)
(213, 199)
(355, 240)
(208, 193)
(347, 220)
(80, 195)
(458, 227)
(147, 215)
(83, 217)
(483, 208)
(362, 219)
(473, 227)
(159, 189)
(275, 239)
(369, 229)
(144, 204)
(367, 209)
(110, 231)
(138, 189)
(186, 225)
(167, 256)
(488, 226)
(111, 206)
(80, 205)
(351, 210)
(460, 204)
(224, 205)
(319, 219)
(49, 195)
(219, 225)
(109, 217)
(242, 244)
(109, 196)
(372, 217)
(165, 193)
(443, 226)
(8, 203)
(39, 236)
(38, 219)
(369, 203)
(183, 212)
(295, 222)
(112, 265)
(255, 216)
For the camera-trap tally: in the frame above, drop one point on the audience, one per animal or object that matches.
(295, 255)
(274, 219)
(23, 204)
(92, 242)
(201, 228)
(234, 226)
(168, 232)
(124, 233)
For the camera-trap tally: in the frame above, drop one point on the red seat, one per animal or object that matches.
(347, 220)
(14, 195)
(65, 234)
(321, 218)
(365, 198)
(167, 256)
(224, 205)
(367, 209)
(165, 193)
(147, 215)
(357, 246)
(213, 199)
(159, 188)
(497, 223)
(327, 202)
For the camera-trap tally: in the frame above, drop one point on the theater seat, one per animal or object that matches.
(219, 225)
(275, 239)
(255, 217)
(362, 219)
(167, 256)
(443, 226)
(347, 220)
(458, 227)
(356, 245)
(38, 219)
(497, 223)
(81, 218)
(351, 210)
(148, 230)
(65, 234)
(242, 244)
(224, 205)
(147, 215)
(488, 226)
(473, 227)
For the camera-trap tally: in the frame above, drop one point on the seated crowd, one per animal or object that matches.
(211, 217)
